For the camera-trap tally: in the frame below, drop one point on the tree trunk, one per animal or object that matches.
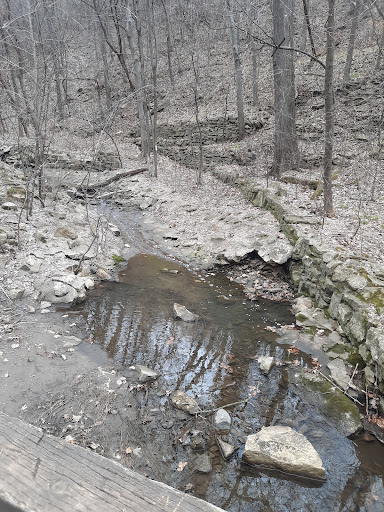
(152, 42)
(329, 110)
(139, 87)
(238, 70)
(286, 152)
(352, 39)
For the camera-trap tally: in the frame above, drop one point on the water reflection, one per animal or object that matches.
(215, 359)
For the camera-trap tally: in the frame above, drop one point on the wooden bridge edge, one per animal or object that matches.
(43, 473)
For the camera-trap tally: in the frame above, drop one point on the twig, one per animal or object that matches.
(353, 374)
(341, 389)
(210, 411)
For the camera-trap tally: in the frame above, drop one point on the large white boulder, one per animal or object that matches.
(284, 449)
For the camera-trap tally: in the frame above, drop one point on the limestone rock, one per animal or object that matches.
(183, 313)
(66, 289)
(185, 402)
(276, 249)
(103, 274)
(146, 374)
(203, 464)
(9, 206)
(64, 232)
(339, 373)
(266, 363)
(80, 251)
(227, 450)
(284, 449)
(375, 343)
(222, 420)
(15, 292)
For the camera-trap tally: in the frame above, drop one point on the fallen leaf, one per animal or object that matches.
(181, 466)
(128, 450)
(293, 350)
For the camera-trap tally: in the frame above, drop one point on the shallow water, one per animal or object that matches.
(215, 360)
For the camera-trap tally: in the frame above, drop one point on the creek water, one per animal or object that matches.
(215, 360)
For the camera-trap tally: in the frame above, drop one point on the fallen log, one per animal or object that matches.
(92, 188)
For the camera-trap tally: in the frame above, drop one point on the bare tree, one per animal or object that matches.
(352, 39)
(329, 110)
(140, 98)
(286, 152)
(238, 70)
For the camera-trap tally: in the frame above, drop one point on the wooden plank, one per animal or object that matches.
(42, 473)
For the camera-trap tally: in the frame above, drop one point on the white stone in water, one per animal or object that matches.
(183, 313)
(146, 374)
(185, 402)
(266, 363)
(284, 449)
(222, 420)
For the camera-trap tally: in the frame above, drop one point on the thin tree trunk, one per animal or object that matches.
(286, 152)
(139, 87)
(309, 28)
(238, 71)
(153, 58)
(329, 110)
(169, 45)
(352, 39)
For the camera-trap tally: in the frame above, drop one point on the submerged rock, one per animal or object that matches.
(185, 402)
(336, 407)
(203, 464)
(183, 313)
(226, 449)
(283, 448)
(146, 374)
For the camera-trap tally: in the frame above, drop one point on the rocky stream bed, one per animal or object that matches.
(91, 350)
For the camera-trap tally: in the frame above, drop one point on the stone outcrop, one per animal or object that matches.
(284, 449)
(350, 290)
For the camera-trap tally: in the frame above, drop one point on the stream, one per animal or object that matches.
(215, 360)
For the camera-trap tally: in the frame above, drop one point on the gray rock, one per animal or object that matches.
(222, 420)
(15, 292)
(45, 304)
(336, 407)
(339, 373)
(313, 318)
(71, 341)
(65, 232)
(3, 237)
(146, 203)
(185, 402)
(32, 265)
(9, 206)
(146, 374)
(375, 343)
(197, 442)
(284, 449)
(276, 249)
(183, 313)
(58, 292)
(266, 363)
(226, 449)
(203, 464)
(40, 237)
(81, 251)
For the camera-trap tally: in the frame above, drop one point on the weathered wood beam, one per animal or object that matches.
(44, 473)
